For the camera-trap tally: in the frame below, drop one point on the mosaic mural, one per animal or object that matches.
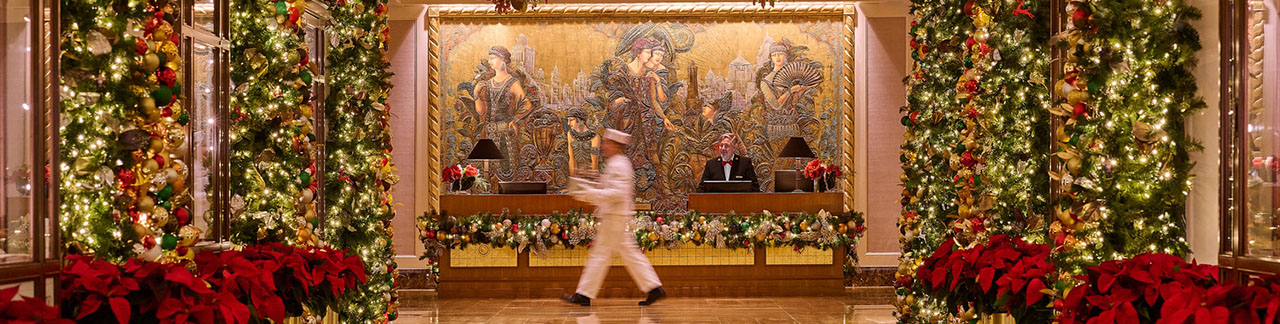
(675, 86)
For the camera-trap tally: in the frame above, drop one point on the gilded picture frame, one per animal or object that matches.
(438, 15)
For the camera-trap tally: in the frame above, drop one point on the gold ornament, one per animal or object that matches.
(189, 235)
(980, 19)
(146, 204)
(150, 166)
(150, 62)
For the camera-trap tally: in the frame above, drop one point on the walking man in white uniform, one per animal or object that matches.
(613, 196)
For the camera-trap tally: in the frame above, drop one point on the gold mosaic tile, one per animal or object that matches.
(482, 256)
(786, 255)
(687, 255)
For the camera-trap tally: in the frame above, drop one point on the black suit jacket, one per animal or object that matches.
(743, 169)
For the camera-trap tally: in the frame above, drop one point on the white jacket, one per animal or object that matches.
(613, 194)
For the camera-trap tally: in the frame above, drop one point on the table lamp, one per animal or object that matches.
(798, 149)
(486, 150)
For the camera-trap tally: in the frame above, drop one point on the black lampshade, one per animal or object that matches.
(796, 148)
(487, 150)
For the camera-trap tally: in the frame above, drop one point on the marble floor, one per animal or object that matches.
(423, 307)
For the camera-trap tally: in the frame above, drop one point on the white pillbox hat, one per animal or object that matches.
(617, 136)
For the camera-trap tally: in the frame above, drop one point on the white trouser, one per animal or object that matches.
(609, 240)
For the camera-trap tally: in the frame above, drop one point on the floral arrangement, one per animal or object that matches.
(463, 176)
(273, 280)
(822, 230)
(817, 169)
(1162, 288)
(1005, 274)
(27, 310)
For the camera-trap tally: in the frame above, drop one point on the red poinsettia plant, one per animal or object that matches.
(28, 310)
(265, 282)
(1005, 274)
(165, 291)
(1162, 288)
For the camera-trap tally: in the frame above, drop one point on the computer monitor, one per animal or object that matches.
(785, 181)
(728, 186)
(522, 187)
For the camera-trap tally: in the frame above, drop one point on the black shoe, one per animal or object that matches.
(577, 299)
(654, 295)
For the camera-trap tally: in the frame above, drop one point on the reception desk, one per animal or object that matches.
(715, 203)
(465, 205)
(755, 202)
(687, 271)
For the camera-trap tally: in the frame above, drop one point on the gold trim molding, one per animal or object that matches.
(436, 14)
(652, 10)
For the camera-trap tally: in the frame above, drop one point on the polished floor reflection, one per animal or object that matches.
(426, 308)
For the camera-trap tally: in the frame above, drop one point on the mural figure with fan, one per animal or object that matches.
(788, 83)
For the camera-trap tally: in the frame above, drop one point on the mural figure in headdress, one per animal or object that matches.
(634, 89)
(504, 98)
(584, 143)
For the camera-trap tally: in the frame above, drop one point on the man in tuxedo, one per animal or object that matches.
(728, 165)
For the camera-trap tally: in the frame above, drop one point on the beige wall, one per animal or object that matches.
(1202, 204)
(407, 41)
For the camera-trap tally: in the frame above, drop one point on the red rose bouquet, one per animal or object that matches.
(450, 174)
(460, 177)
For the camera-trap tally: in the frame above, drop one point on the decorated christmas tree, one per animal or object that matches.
(1125, 95)
(358, 170)
(973, 157)
(123, 132)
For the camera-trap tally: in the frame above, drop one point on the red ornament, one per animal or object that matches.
(141, 47)
(1080, 17)
(166, 77)
(967, 159)
(182, 216)
(969, 42)
(515, 227)
(915, 117)
(971, 86)
(294, 14)
(160, 160)
(914, 44)
(182, 250)
(166, 112)
(126, 178)
(148, 242)
(1078, 109)
(659, 220)
(973, 113)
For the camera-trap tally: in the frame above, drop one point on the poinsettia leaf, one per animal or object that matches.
(1272, 307)
(89, 306)
(120, 307)
(1126, 314)
(1104, 282)
(939, 276)
(1203, 316)
(273, 308)
(1033, 291)
(984, 278)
